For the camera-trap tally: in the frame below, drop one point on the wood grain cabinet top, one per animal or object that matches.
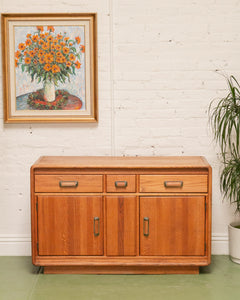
(126, 162)
(121, 215)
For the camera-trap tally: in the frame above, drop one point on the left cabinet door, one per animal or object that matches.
(70, 225)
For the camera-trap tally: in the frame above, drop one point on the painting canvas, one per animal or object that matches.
(50, 68)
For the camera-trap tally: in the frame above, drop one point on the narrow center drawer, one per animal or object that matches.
(173, 183)
(121, 183)
(68, 183)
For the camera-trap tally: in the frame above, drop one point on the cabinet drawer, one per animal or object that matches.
(173, 183)
(68, 183)
(121, 183)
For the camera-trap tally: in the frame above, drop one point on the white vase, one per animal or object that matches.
(234, 242)
(49, 91)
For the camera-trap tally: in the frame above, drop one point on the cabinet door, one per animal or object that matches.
(172, 225)
(70, 225)
(121, 218)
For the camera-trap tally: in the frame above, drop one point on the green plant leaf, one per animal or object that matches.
(32, 76)
(224, 118)
(73, 70)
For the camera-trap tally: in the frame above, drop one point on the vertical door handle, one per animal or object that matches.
(146, 226)
(96, 220)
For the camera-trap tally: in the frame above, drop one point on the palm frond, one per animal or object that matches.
(224, 118)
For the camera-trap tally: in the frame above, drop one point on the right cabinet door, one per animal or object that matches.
(172, 225)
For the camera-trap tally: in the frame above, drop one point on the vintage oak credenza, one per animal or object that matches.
(121, 215)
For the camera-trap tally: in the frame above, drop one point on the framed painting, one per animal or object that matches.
(49, 67)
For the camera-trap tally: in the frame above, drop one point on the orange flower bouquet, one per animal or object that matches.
(49, 58)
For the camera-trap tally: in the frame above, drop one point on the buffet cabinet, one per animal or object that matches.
(121, 215)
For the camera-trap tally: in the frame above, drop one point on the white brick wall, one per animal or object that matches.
(157, 63)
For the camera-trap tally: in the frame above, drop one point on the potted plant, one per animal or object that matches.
(225, 122)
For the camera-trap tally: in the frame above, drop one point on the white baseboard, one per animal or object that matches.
(20, 245)
(220, 244)
(15, 245)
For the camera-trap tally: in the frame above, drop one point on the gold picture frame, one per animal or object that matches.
(49, 67)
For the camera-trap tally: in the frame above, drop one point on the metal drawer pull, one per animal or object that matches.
(121, 184)
(173, 184)
(94, 226)
(146, 222)
(68, 183)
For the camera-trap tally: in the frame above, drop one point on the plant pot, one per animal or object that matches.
(49, 91)
(234, 242)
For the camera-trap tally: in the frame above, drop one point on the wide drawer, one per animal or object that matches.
(173, 183)
(68, 183)
(121, 183)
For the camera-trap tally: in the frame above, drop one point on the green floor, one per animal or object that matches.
(21, 281)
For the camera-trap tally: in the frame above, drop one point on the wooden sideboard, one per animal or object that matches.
(121, 215)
